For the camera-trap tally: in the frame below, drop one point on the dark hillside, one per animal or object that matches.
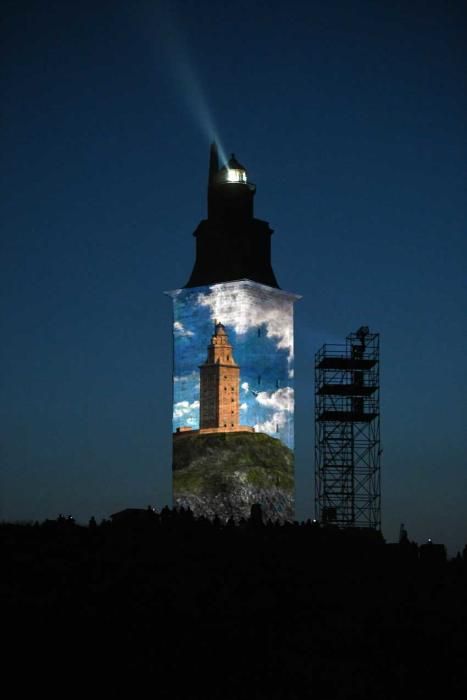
(200, 609)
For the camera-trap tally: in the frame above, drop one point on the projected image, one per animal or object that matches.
(233, 400)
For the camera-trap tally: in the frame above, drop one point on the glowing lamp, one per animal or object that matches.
(234, 172)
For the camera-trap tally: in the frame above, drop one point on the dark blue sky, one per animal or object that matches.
(351, 118)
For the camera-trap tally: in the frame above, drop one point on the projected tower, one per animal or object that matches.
(220, 387)
(233, 418)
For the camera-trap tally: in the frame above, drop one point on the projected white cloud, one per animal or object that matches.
(280, 400)
(272, 425)
(236, 310)
(281, 404)
(192, 377)
(184, 409)
(180, 330)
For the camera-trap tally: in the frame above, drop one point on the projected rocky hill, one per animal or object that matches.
(225, 474)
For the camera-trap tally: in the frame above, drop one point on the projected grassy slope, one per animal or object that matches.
(228, 472)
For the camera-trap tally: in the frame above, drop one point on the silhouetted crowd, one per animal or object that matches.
(192, 608)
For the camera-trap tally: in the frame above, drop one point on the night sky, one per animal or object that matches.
(351, 118)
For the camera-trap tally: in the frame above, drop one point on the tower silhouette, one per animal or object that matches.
(233, 287)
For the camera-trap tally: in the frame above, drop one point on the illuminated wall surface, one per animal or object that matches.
(242, 451)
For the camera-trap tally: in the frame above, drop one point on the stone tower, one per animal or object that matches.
(220, 387)
(233, 419)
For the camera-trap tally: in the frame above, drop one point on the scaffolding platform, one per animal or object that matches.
(345, 363)
(339, 416)
(346, 390)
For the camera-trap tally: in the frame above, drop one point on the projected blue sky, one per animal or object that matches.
(350, 117)
(261, 338)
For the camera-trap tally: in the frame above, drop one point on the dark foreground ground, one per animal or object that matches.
(193, 609)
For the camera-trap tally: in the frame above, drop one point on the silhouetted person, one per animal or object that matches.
(256, 515)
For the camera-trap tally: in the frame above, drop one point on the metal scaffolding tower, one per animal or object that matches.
(347, 432)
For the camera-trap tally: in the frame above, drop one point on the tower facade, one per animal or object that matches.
(233, 408)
